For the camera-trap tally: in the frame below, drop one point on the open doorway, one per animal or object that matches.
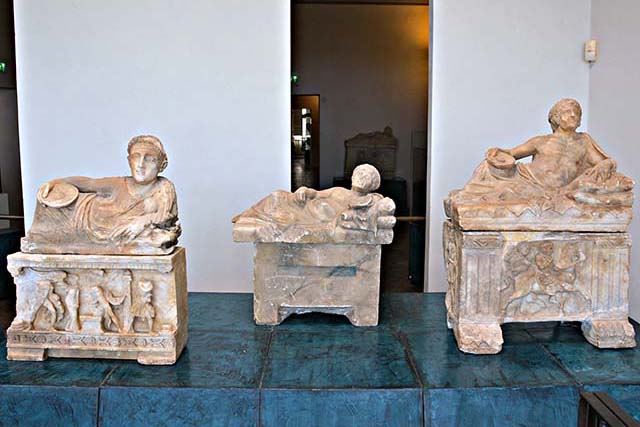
(369, 63)
(305, 141)
(11, 209)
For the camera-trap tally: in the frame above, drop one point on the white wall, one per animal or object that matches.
(370, 68)
(497, 67)
(210, 78)
(614, 105)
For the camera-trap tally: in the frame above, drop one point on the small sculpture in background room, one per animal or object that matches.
(98, 252)
(539, 241)
(319, 250)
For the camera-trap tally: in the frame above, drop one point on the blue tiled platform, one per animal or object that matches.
(318, 370)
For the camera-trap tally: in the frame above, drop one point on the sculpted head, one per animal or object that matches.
(365, 179)
(147, 158)
(565, 114)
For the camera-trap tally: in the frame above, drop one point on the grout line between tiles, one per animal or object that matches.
(262, 372)
(559, 363)
(98, 409)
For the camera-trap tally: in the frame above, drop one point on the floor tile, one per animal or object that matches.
(627, 396)
(556, 332)
(176, 407)
(48, 406)
(418, 311)
(591, 365)
(337, 408)
(211, 360)
(222, 312)
(357, 359)
(502, 407)
(442, 365)
(53, 371)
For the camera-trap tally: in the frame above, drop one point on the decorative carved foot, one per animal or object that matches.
(29, 354)
(478, 338)
(363, 316)
(157, 358)
(609, 333)
(266, 313)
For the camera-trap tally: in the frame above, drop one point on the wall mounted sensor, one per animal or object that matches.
(591, 51)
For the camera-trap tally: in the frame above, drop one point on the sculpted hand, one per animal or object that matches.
(500, 158)
(128, 232)
(48, 186)
(602, 171)
(303, 194)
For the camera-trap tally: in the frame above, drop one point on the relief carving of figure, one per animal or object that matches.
(568, 169)
(72, 303)
(143, 310)
(51, 311)
(118, 215)
(336, 214)
(540, 278)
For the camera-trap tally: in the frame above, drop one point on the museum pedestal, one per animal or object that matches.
(317, 369)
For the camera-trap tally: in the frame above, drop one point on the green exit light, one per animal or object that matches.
(3, 67)
(294, 79)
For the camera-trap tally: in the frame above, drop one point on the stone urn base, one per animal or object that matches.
(330, 278)
(497, 277)
(99, 306)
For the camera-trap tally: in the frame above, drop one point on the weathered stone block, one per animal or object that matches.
(301, 278)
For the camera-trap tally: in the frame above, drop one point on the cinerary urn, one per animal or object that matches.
(541, 241)
(319, 250)
(100, 274)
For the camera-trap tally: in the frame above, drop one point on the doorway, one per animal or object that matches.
(369, 63)
(305, 141)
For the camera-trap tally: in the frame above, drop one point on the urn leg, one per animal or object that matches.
(363, 316)
(479, 338)
(157, 358)
(604, 333)
(266, 313)
(28, 354)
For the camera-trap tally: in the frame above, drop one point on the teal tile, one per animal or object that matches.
(178, 407)
(211, 360)
(48, 406)
(591, 365)
(418, 311)
(442, 365)
(357, 359)
(341, 408)
(502, 407)
(556, 332)
(53, 371)
(222, 312)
